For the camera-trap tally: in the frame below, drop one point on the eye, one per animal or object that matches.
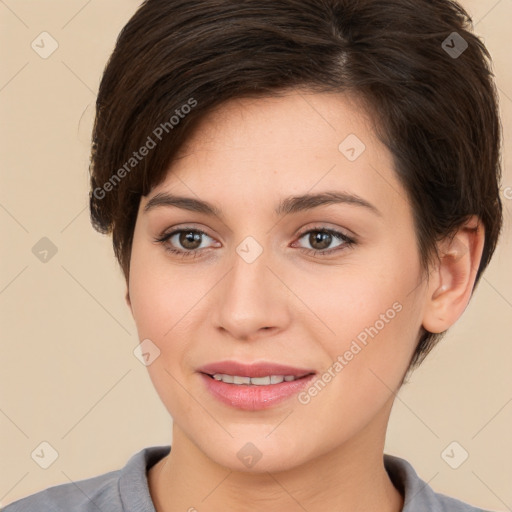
(321, 238)
(185, 242)
(188, 242)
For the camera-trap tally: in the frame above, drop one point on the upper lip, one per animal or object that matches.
(261, 369)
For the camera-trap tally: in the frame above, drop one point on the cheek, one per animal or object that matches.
(375, 319)
(360, 301)
(169, 305)
(160, 303)
(368, 316)
(160, 294)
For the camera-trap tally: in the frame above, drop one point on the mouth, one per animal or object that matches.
(260, 370)
(254, 386)
(267, 380)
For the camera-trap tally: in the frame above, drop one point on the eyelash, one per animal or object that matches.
(348, 242)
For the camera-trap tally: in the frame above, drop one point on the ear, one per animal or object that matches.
(451, 281)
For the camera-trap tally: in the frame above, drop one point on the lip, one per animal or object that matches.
(251, 397)
(261, 369)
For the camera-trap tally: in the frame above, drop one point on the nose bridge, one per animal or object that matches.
(250, 298)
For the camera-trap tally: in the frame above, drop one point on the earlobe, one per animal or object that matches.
(451, 282)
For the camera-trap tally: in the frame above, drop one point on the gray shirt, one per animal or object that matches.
(126, 490)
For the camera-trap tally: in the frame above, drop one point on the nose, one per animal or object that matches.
(251, 301)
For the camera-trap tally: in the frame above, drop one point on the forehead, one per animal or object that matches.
(252, 149)
(294, 117)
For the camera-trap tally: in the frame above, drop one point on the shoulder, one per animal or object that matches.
(96, 493)
(418, 495)
(115, 491)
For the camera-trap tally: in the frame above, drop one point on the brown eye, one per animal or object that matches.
(320, 240)
(190, 239)
(184, 242)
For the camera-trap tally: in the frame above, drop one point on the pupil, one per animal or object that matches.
(322, 237)
(188, 238)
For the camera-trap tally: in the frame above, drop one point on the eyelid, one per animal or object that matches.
(327, 228)
(182, 227)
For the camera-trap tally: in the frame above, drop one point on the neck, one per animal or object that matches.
(351, 478)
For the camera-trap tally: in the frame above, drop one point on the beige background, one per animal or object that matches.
(68, 373)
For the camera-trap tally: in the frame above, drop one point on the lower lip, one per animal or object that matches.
(252, 397)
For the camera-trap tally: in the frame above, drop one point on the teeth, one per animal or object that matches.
(241, 380)
(256, 381)
(260, 381)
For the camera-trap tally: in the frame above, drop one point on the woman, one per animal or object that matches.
(301, 202)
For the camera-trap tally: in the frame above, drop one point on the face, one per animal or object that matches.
(330, 286)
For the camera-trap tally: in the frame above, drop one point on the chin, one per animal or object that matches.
(256, 453)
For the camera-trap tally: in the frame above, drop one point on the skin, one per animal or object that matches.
(288, 306)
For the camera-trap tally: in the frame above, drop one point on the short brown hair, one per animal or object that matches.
(425, 77)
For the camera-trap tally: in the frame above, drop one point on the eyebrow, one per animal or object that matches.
(287, 206)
